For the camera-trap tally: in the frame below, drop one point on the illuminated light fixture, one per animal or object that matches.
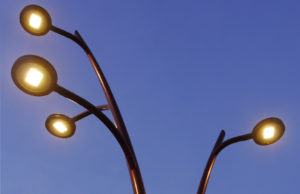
(34, 75)
(35, 20)
(268, 131)
(60, 125)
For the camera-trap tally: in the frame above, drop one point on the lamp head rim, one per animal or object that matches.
(41, 61)
(65, 118)
(43, 11)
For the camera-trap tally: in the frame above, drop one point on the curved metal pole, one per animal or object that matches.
(209, 164)
(219, 146)
(77, 38)
(122, 142)
(95, 111)
(136, 177)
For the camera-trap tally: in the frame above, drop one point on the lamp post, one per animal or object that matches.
(36, 21)
(36, 76)
(266, 132)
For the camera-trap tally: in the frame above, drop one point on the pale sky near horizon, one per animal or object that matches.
(181, 71)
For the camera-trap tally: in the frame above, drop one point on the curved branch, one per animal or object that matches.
(233, 140)
(102, 117)
(219, 146)
(87, 113)
(77, 38)
(209, 165)
(136, 177)
(68, 35)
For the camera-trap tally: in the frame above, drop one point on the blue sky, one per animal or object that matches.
(180, 71)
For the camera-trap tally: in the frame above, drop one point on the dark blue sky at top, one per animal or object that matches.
(181, 71)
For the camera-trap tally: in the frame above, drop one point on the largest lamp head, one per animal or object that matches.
(34, 75)
(35, 20)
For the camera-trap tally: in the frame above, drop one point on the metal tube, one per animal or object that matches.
(219, 146)
(209, 165)
(233, 140)
(87, 113)
(132, 167)
(136, 177)
(92, 109)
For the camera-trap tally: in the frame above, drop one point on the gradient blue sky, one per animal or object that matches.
(181, 71)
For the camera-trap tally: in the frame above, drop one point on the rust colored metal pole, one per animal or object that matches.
(134, 171)
(102, 117)
(209, 165)
(219, 146)
(106, 121)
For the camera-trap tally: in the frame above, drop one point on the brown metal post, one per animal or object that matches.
(219, 146)
(209, 165)
(134, 171)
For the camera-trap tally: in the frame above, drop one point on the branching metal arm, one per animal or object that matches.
(95, 111)
(87, 113)
(219, 146)
(135, 174)
(233, 140)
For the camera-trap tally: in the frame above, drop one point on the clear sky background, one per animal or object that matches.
(181, 70)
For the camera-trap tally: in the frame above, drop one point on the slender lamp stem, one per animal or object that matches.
(219, 146)
(136, 177)
(102, 117)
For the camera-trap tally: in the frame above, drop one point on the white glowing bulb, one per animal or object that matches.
(34, 77)
(60, 126)
(269, 132)
(35, 21)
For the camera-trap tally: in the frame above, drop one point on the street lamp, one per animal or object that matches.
(266, 132)
(60, 125)
(63, 126)
(35, 20)
(36, 76)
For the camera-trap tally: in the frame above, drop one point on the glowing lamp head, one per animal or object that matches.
(34, 75)
(268, 131)
(60, 125)
(35, 20)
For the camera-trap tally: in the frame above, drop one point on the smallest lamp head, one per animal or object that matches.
(60, 125)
